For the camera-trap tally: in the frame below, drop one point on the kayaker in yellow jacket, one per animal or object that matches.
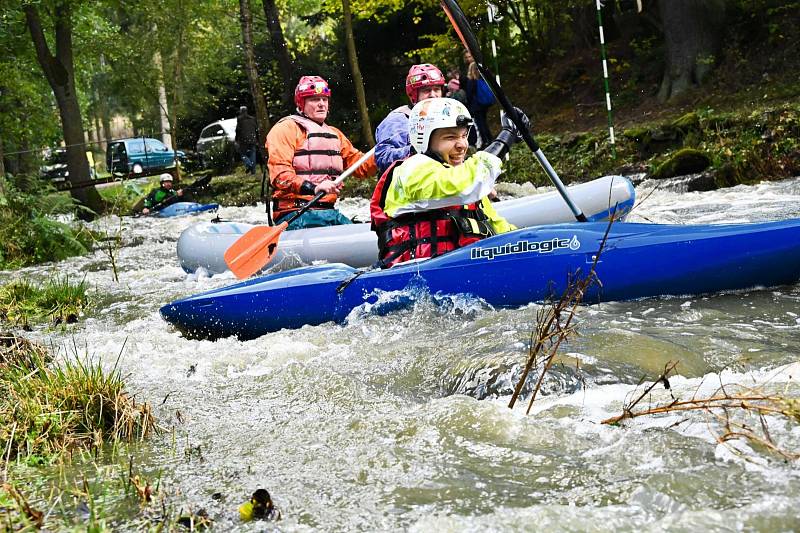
(437, 200)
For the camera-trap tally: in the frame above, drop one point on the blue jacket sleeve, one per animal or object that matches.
(392, 141)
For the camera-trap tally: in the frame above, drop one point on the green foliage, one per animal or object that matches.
(681, 163)
(28, 232)
(45, 411)
(58, 300)
(238, 189)
(739, 147)
(122, 197)
(28, 116)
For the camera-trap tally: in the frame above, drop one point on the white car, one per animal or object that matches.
(216, 145)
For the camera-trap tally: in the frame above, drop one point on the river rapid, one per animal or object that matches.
(401, 422)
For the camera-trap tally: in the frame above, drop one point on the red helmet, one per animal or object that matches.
(310, 86)
(424, 75)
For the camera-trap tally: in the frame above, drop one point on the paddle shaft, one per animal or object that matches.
(337, 181)
(461, 25)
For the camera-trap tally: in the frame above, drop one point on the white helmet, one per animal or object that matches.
(433, 114)
(165, 177)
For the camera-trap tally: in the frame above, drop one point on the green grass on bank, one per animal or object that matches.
(235, 189)
(122, 197)
(29, 231)
(743, 146)
(59, 300)
(733, 146)
(48, 410)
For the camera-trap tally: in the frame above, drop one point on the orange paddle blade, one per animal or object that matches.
(252, 251)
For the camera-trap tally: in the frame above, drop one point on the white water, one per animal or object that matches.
(377, 425)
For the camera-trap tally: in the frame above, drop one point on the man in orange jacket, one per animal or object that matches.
(306, 155)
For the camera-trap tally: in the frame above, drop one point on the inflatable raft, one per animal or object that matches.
(184, 208)
(204, 244)
(509, 270)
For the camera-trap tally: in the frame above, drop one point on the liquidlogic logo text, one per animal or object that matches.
(523, 247)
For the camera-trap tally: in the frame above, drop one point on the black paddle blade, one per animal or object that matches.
(460, 23)
(199, 184)
(462, 27)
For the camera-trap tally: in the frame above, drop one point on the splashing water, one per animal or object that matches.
(398, 421)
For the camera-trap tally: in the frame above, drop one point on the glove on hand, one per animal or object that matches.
(508, 135)
(508, 124)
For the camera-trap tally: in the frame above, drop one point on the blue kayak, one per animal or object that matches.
(510, 270)
(185, 208)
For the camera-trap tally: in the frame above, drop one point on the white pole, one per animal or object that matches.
(605, 80)
(491, 11)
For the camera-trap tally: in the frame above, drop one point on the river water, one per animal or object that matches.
(401, 422)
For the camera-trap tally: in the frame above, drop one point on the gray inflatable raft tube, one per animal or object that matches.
(203, 245)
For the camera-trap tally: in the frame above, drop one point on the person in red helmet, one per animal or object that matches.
(392, 143)
(305, 155)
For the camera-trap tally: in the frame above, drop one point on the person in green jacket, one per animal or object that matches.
(437, 200)
(161, 197)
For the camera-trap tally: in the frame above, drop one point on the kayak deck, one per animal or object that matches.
(511, 270)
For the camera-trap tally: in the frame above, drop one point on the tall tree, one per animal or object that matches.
(358, 81)
(2, 166)
(60, 73)
(285, 62)
(179, 59)
(246, 18)
(163, 106)
(693, 31)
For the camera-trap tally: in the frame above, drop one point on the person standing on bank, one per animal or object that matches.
(247, 139)
(306, 155)
(437, 200)
(479, 100)
(392, 142)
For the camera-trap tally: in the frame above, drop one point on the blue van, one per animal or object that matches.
(140, 156)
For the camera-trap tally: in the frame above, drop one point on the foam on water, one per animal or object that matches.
(378, 424)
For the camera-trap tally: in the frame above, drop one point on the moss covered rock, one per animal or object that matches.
(681, 163)
(687, 122)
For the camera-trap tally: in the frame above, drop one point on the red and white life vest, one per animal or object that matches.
(319, 158)
(423, 234)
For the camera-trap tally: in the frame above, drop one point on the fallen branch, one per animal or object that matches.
(554, 324)
(722, 406)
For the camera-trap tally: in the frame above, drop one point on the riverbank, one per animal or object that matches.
(720, 148)
(725, 148)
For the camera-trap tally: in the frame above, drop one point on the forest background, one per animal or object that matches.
(70, 70)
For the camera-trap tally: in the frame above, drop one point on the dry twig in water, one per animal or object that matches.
(727, 406)
(554, 324)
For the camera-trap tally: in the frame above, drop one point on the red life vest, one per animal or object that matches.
(319, 157)
(424, 234)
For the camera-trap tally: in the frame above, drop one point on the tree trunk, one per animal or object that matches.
(366, 126)
(259, 102)
(177, 101)
(282, 51)
(2, 169)
(693, 31)
(98, 128)
(60, 74)
(163, 106)
(105, 114)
